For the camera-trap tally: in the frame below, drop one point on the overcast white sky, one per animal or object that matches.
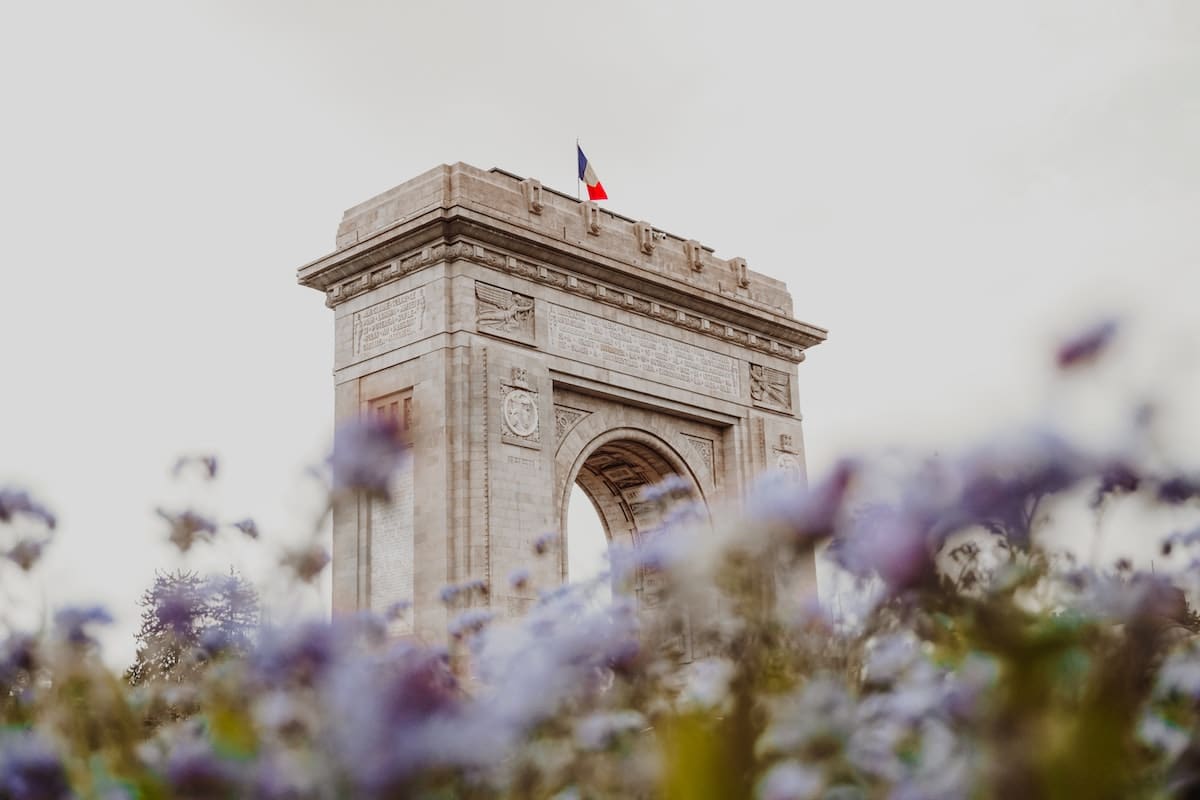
(947, 187)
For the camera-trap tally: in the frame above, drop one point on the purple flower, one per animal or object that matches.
(790, 780)
(888, 657)
(300, 656)
(1003, 496)
(367, 451)
(543, 543)
(207, 465)
(30, 769)
(18, 501)
(1182, 538)
(657, 550)
(1115, 479)
(469, 622)
(1086, 346)
(402, 713)
(673, 487)
(248, 527)
(809, 514)
(306, 562)
(519, 578)
(18, 654)
(25, 553)
(821, 711)
(178, 608)
(450, 593)
(889, 543)
(195, 771)
(561, 649)
(72, 623)
(1178, 489)
(397, 610)
(187, 528)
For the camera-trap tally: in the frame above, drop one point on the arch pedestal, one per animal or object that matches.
(532, 342)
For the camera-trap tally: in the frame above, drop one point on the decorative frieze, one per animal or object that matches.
(584, 287)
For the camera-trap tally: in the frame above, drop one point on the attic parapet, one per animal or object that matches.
(518, 225)
(528, 204)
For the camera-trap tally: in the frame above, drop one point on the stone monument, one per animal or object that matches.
(529, 342)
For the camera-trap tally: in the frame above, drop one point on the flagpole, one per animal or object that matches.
(576, 169)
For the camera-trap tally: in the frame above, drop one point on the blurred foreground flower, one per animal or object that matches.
(18, 502)
(187, 528)
(708, 673)
(1087, 345)
(306, 562)
(367, 451)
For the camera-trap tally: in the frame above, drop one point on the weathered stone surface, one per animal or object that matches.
(535, 342)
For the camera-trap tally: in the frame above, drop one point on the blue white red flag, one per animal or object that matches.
(588, 176)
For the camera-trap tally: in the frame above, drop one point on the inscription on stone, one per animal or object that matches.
(627, 349)
(523, 462)
(392, 550)
(389, 322)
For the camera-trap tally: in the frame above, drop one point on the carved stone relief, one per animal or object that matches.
(787, 459)
(566, 418)
(519, 411)
(502, 312)
(703, 450)
(770, 387)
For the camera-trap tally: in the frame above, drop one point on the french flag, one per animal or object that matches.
(588, 176)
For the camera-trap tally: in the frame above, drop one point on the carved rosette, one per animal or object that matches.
(770, 388)
(501, 312)
(519, 415)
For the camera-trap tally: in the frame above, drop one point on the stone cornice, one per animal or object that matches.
(597, 291)
(440, 235)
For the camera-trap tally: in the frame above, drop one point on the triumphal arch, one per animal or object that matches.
(530, 342)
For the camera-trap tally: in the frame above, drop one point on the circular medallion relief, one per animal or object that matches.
(788, 463)
(520, 412)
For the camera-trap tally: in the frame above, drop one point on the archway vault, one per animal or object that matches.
(614, 469)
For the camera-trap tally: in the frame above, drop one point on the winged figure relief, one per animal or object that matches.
(770, 386)
(500, 308)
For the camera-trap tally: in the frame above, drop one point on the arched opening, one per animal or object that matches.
(604, 504)
(587, 542)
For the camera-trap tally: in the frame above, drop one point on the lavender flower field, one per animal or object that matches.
(971, 657)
